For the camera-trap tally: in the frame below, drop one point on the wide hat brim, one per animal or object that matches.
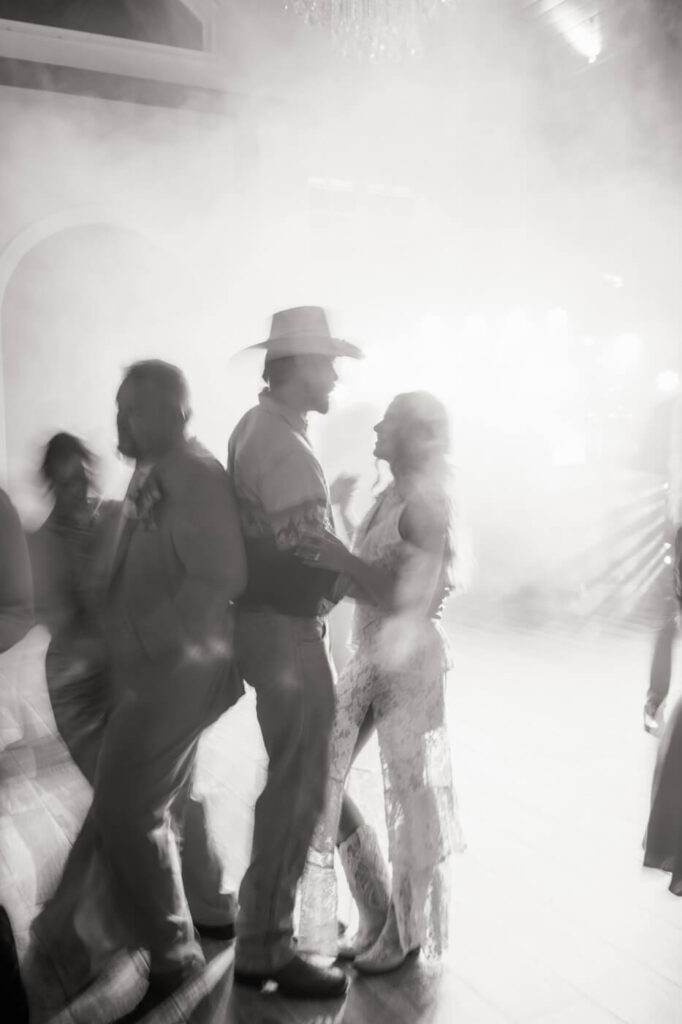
(306, 345)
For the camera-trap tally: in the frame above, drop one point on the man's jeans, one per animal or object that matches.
(286, 660)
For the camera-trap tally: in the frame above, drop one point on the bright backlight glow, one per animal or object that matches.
(668, 382)
(581, 30)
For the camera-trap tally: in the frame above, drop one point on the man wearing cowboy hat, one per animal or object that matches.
(280, 640)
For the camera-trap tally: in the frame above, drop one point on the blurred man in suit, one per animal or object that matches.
(177, 561)
(165, 576)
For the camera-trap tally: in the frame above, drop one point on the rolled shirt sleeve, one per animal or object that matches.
(283, 498)
(295, 500)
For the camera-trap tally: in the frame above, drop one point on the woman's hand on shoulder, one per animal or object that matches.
(342, 490)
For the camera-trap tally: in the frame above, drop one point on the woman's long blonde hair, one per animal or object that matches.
(422, 457)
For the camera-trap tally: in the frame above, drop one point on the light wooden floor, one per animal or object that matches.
(554, 920)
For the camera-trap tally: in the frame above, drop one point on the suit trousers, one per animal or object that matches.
(286, 660)
(81, 711)
(144, 771)
(80, 926)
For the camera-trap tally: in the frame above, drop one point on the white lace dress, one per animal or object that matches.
(398, 670)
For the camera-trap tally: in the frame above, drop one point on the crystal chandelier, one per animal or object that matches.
(372, 29)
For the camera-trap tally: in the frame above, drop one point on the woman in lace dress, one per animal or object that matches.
(403, 566)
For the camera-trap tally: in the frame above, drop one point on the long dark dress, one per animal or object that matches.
(78, 683)
(663, 843)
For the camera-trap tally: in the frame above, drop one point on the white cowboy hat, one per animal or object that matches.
(304, 331)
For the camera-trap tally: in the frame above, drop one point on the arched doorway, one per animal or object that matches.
(82, 296)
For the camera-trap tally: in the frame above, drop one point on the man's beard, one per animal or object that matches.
(318, 401)
(127, 446)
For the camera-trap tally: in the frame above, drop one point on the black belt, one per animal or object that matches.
(296, 612)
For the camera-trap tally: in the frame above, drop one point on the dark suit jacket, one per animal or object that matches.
(174, 573)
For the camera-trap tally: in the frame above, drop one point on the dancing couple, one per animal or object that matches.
(205, 579)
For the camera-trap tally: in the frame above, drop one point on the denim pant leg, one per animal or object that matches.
(286, 660)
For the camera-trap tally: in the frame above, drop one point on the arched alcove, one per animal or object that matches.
(80, 300)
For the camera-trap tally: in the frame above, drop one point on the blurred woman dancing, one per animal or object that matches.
(404, 565)
(62, 558)
(663, 841)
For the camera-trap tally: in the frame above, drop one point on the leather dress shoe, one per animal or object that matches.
(218, 932)
(300, 979)
(161, 987)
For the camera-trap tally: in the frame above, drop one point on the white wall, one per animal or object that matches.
(123, 236)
